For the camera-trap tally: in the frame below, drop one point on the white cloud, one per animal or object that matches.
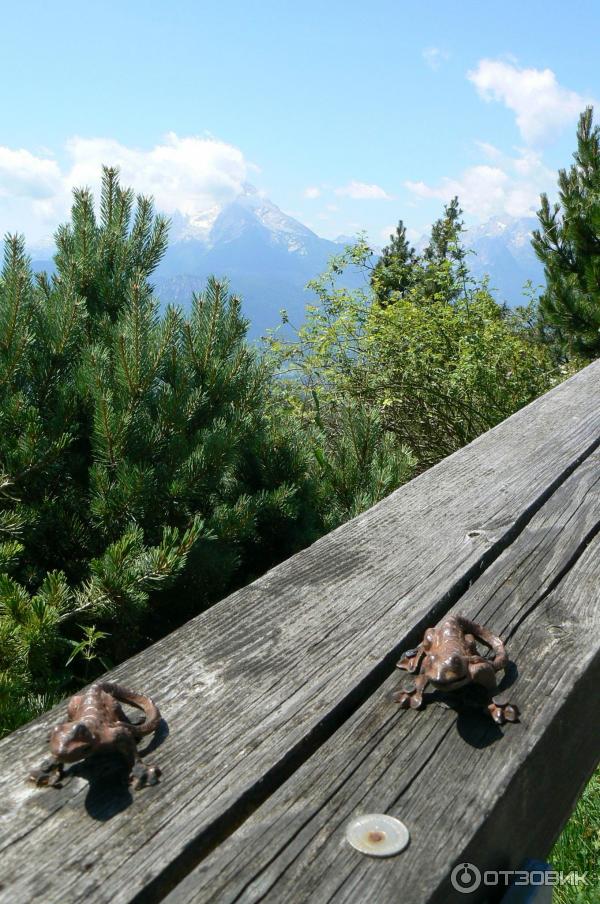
(434, 57)
(489, 150)
(312, 192)
(542, 106)
(186, 174)
(362, 191)
(504, 183)
(512, 186)
(190, 174)
(33, 196)
(22, 174)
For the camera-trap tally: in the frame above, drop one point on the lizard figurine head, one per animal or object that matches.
(71, 741)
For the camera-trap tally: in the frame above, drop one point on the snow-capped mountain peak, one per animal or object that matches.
(267, 256)
(193, 227)
(515, 231)
(502, 249)
(247, 212)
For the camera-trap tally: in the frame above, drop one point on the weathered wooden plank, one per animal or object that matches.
(468, 791)
(248, 686)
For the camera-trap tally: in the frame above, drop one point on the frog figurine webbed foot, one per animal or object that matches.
(413, 698)
(142, 775)
(503, 712)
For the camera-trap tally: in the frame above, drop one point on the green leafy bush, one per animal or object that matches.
(424, 347)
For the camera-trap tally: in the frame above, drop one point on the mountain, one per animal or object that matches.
(267, 256)
(502, 249)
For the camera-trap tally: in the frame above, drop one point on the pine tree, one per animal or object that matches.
(393, 272)
(444, 241)
(568, 244)
(439, 272)
(359, 461)
(142, 472)
(444, 258)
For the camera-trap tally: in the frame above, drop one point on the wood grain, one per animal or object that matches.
(467, 790)
(250, 688)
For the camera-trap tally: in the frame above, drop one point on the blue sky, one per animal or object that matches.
(346, 115)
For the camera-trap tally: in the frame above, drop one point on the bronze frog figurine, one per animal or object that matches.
(97, 724)
(447, 658)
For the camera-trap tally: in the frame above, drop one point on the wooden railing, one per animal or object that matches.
(279, 725)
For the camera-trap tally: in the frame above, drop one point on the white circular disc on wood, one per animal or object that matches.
(377, 834)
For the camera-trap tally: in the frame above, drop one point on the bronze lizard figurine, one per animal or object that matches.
(447, 657)
(97, 724)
